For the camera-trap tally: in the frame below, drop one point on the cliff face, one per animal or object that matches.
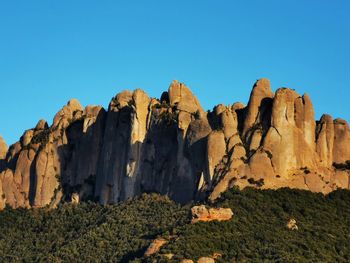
(173, 147)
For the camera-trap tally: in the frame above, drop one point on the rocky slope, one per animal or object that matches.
(173, 147)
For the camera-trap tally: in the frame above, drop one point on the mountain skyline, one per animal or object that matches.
(174, 131)
(11, 137)
(174, 147)
(52, 52)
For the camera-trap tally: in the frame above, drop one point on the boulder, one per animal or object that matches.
(203, 214)
(155, 246)
(206, 260)
(292, 224)
(75, 199)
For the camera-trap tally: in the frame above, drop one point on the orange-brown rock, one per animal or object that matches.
(155, 246)
(172, 146)
(217, 255)
(203, 214)
(258, 104)
(75, 199)
(41, 125)
(206, 260)
(216, 150)
(3, 148)
(181, 96)
(341, 152)
(325, 140)
(292, 224)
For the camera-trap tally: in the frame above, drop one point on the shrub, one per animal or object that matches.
(342, 166)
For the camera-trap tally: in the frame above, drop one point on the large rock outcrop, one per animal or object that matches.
(155, 246)
(172, 146)
(202, 214)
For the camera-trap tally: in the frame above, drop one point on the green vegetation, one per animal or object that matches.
(258, 232)
(342, 166)
(42, 137)
(90, 232)
(269, 154)
(306, 170)
(87, 232)
(165, 112)
(258, 183)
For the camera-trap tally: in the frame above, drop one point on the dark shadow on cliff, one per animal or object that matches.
(32, 181)
(8, 162)
(197, 154)
(265, 114)
(80, 155)
(112, 163)
(94, 163)
(2, 165)
(160, 151)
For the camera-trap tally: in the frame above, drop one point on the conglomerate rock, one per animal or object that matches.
(202, 214)
(173, 147)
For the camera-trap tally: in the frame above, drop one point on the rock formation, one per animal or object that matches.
(292, 224)
(3, 148)
(203, 214)
(172, 146)
(200, 260)
(206, 260)
(155, 246)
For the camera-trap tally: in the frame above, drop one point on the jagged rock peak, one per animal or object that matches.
(341, 141)
(41, 125)
(182, 97)
(67, 114)
(3, 148)
(120, 100)
(325, 140)
(259, 100)
(74, 104)
(173, 147)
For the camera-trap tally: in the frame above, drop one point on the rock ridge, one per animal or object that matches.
(173, 147)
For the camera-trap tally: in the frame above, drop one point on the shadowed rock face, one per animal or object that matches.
(173, 147)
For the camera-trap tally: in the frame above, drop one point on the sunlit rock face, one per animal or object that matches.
(172, 146)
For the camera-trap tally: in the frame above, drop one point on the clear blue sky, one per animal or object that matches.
(51, 51)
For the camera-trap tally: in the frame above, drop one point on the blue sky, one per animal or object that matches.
(51, 51)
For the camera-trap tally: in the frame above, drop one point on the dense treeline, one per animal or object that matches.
(258, 230)
(90, 232)
(87, 232)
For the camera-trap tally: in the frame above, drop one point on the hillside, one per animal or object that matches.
(89, 232)
(174, 147)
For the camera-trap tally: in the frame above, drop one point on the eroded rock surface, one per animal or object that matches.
(206, 260)
(292, 224)
(172, 146)
(203, 214)
(3, 148)
(155, 246)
